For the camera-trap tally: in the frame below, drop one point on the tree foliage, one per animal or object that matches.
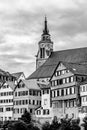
(26, 117)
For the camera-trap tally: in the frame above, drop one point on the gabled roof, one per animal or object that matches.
(43, 72)
(78, 55)
(31, 84)
(10, 83)
(4, 73)
(18, 74)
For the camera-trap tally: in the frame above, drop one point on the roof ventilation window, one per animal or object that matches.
(74, 69)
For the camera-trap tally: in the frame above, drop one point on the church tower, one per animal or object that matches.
(45, 46)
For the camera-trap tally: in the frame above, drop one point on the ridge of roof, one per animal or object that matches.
(17, 74)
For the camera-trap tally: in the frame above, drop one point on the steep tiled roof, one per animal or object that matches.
(77, 68)
(18, 74)
(78, 55)
(11, 84)
(4, 73)
(31, 84)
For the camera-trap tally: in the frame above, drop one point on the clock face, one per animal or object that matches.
(49, 46)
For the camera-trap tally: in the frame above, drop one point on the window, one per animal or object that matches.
(33, 102)
(38, 112)
(63, 72)
(83, 88)
(55, 82)
(67, 80)
(47, 91)
(9, 109)
(62, 92)
(45, 101)
(68, 89)
(63, 81)
(30, 92)
(56, 74)
(53, 93)
(59, 73)
(52, 83)
(26, 101)
(73, 90)
(31, 110)
(57, 92)
(16, 111)
(67, 71)
(46, 112)
(72, 79)
(29, 101)
(42, 52)
(15, 94)
(1, 109)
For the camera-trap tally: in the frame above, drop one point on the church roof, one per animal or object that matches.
(78, 55)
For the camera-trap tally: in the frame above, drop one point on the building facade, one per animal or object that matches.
(83, 94)
(64, 93)
(6, 101)
(44, 112)
(63, 71)
(27, 95)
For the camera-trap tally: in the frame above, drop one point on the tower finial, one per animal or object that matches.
(45, 31)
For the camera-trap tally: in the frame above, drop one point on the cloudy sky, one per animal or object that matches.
(21, 25)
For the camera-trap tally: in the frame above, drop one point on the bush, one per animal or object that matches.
(55, 125)
(85, 123)
(46, 126)
(26, 117)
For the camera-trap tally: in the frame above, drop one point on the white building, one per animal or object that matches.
(44, 112)
(27, 95)
(6, 101)
(19, 76)
(83, 94)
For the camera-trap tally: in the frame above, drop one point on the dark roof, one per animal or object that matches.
(76, 68)
(78, 55)
(83, 83)
(5, 73)
(18, 74)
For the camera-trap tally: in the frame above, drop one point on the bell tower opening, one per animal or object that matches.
(45, 46)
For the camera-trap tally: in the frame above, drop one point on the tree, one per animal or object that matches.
(75, 124)
(26, 117)
(55, 125)
(46, 126)
(85, 123)
(20, 125)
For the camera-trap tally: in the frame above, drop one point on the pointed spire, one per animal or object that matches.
(45, 31)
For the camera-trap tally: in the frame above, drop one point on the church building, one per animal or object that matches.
(59, 75)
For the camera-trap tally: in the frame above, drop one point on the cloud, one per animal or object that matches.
(21, 25)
